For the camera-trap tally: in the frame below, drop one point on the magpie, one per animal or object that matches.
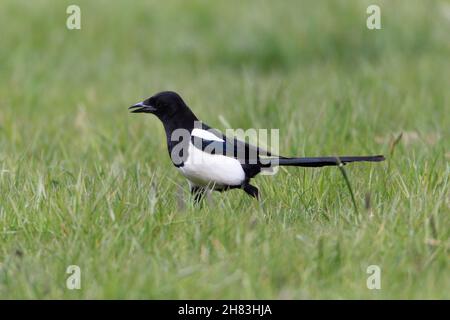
(212, 161)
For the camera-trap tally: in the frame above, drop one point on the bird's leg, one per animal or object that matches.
(198, 193)
(251, 190)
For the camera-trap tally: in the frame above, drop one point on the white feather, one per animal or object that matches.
(204, 134)
(216, 171)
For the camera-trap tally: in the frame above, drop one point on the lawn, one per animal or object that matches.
(84, 182)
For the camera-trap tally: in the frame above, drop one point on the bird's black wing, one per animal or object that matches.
(230, 147)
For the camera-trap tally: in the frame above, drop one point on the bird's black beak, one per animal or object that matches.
(142, 108)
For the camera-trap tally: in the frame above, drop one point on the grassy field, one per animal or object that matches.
(83, 182)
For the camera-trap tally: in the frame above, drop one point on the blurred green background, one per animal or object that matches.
(84, 182)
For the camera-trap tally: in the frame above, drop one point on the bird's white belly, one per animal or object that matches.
(217, 171)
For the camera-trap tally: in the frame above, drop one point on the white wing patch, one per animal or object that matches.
(216, 171)
(204, 134)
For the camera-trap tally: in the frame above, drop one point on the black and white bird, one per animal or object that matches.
(212, 161)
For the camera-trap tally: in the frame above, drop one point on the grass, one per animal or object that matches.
(84, 182)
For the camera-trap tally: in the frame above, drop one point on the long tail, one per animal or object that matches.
(326, 161)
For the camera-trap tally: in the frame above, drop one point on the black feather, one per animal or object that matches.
(326, 161)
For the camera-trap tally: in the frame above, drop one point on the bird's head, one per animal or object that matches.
(164, 105)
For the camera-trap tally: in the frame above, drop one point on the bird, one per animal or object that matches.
(212, 161)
